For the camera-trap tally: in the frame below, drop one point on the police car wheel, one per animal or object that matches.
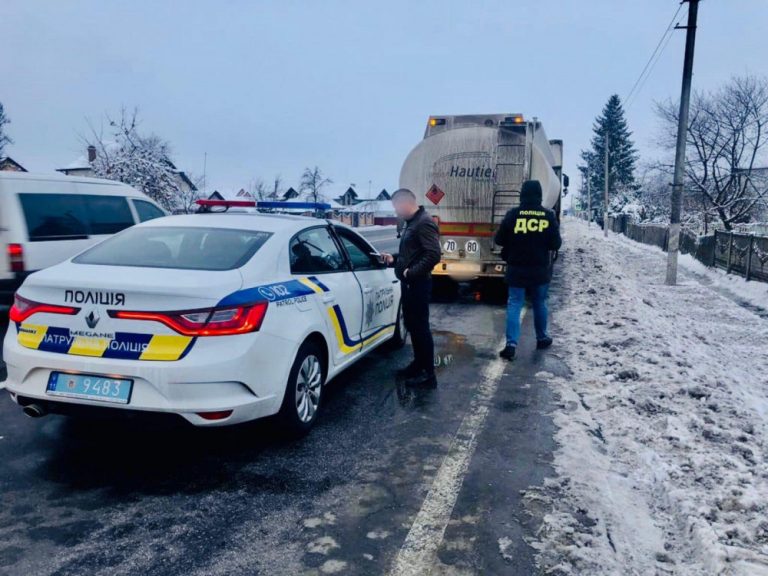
(303, 394)
(401, 332)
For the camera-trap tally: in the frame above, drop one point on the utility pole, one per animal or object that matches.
(589, 197)
(605, 192)
(682, 130)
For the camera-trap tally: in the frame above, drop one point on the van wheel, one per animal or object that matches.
(401, 332)
(304, 391)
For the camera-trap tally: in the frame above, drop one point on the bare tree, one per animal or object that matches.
(258, 190)
(4, 138)
(135, 159)
(654, 192)
(277, 187)
(727, 137)
(188, 196)
(313, 181)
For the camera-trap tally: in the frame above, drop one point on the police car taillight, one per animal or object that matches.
(23, 308)
(205, 322)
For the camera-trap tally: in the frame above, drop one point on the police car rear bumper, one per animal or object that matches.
(197, 384)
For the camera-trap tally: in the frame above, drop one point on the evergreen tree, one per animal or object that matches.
(622, 188)
(4, 138)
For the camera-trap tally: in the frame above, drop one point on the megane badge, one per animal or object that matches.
(92, 319)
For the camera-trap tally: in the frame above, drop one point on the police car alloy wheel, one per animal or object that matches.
(304, 390)
(309, 383)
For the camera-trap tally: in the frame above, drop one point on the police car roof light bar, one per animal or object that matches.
(207, 204)
(226, 203)
(294, 205)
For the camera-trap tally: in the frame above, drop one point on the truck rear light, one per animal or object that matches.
(206, 321)
(23, 309)
(15, 257)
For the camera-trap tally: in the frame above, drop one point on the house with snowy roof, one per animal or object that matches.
(357, 211)
(81, 166)
(8, 164)
(349, 198)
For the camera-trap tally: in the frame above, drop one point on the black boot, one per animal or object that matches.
(508, 353)
(423, 379)
(544, 343)
(409, 371)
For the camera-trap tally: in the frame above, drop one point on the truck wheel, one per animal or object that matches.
(304, 390)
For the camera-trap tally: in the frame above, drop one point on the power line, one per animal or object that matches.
(655, 56)
(650, 70)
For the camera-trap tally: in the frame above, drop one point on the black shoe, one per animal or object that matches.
(423, 379)
(544, 343)
(508, 353)
(409, 371)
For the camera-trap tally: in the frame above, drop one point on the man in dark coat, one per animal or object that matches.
(528, 235)
(419, 253)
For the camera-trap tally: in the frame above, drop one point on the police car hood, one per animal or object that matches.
(130, 288)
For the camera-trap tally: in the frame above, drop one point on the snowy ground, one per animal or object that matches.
(661, 466)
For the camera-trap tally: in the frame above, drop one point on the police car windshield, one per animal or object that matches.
(178, 247)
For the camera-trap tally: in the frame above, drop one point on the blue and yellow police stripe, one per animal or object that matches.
(306, 286)
(314, 284)
(347, 344)
(133, 346)
(275, 292)
(124, 345)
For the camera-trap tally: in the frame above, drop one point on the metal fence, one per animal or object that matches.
(734, 252)
(743, 254)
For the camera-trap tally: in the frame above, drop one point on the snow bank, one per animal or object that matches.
(661, 466)
(732, 285)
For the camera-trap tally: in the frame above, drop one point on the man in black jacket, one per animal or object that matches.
(528, 235)
(419, 253)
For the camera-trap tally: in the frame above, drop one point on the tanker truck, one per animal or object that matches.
(467, 171)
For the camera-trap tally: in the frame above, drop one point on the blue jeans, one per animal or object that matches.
(538, 295)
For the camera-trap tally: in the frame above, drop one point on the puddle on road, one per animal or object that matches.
(454, 361)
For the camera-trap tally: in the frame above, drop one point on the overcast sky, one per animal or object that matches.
(270, 87)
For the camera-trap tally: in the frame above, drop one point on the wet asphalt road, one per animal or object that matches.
(102, 497)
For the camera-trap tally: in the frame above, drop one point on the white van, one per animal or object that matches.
(45, 219)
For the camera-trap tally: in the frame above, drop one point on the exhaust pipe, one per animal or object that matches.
(35, 410)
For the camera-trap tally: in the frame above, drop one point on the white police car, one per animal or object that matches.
(219, 318)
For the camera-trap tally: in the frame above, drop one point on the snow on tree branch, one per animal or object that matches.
(141, 161)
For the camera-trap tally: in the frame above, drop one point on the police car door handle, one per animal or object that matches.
(329, 298)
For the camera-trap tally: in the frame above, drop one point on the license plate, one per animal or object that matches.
(90, 387)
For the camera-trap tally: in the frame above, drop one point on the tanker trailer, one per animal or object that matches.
(467, 171)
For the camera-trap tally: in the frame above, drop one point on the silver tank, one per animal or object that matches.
(467, 172)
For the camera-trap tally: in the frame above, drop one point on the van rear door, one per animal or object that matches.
(6, 274)
(59, 225)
